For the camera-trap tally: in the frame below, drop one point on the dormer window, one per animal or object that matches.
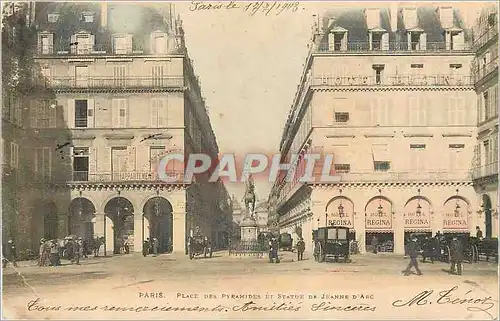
(454, 39)
(417, 39)
(410, 18)
(446, 17)
(122, 44)
(88, 17)
(53, 17)
(45, 43)
(159, 42)
(378, 39)
(82, 43)
(337, 39)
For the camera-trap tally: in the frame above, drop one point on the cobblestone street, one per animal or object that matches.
(178, 281)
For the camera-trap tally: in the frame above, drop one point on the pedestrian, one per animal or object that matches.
(76, 251)
(273, 250)
(155, 246)
(456, 252)
(412, 251)
(301, 247)
(42, 259)
(55, 259)
(375, 245)
(10, 254)
(145, 247)
(126, 245)
(479, 233)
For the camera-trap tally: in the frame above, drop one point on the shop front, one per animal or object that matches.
(378, 225)
(340, 212)
(417, 218)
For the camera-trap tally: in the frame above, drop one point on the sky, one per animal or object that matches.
(250, 66)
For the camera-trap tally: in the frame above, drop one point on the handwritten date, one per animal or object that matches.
(252, 8)
(450, 296)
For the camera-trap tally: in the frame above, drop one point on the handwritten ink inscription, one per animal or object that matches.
(449, 297)
(252, 8)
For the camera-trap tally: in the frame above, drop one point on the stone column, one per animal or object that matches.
(110, 235)
(138, 231)
(179, 226)
(359, 227)
(399, 230)
(99, 226)
(437, 221)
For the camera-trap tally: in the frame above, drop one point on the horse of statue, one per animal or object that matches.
(249, 197)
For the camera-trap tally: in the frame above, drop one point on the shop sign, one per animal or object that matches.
(456, 220)
(378, 219)
(340, 219)
(417, 219)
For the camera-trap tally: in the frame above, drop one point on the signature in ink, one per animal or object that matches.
(447, 297)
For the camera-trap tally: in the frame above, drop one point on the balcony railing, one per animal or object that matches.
(112, 82)
(116, 177)
(405, 176)
(365, 46)
(492, 32)
(102, 49)
(485, 70)
(485, 170)
(394, 80)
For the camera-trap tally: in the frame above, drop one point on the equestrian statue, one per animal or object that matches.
(249, 197)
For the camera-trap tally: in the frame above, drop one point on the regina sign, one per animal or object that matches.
(340, 212)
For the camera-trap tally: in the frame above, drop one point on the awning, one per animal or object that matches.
(456, 231)
(418, 230)
(379, 231)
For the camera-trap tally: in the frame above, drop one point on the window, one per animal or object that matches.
(157, 73)
(81, 76)
(43, 161)
(486, 105)
(123, 45)
(81, 113)
(378, 73)
(53, 17)
(83, 44)
(119, 161)
(416, 112)
(376, 41)
(46, 41)
(14, 155)
(456, 111)
(488, 152)
(417, 66)
(415, 41)
(417, 157)
(341, 117)
(43, 114)
(382, 166)
(455, 66)
(342, 168)
(379, 111)
(87, 17)
(119, 76)
(119, 113)
(160, 43)
(80, 163)
(158, 112)
(155, 155)
(456, 157)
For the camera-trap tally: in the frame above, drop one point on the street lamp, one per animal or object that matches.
(419, 207)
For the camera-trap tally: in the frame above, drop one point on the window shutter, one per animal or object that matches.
(90, 113)
(162, 113)
(480, 109)
(331, 41)
(39, 44)
(33, 113)
(91, 43)
(154, 112)
(131, 159)
(129, 44)
(71, 113)
(142, 158)
(123, 107)
(423, 41)
(105, 159)
(115, 113)
(73, 47)
(385, 41)
(92, 159)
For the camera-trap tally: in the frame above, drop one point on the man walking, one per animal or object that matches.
(456, 252)
(375, 245)
(479, 233)
(412, 251)
(301, 247)
(9, 254)
(145, 247)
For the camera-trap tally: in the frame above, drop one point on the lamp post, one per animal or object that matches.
(419, 207)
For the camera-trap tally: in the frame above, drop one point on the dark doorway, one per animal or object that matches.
(385, 241)
(50, 221)
(158, 212)
(81, 212)
(121, 212)
(487, 216)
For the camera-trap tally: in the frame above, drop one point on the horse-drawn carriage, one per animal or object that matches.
(487, 248)
(285, 242)
(440, 249)
(199, 245)
(331, 242)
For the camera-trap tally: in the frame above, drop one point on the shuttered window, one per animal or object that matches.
(158, 112)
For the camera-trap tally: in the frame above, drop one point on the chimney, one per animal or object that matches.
(410, 17)
(394, 16)
(331, 22)
(372, 16)
(104, 14)
(446, 16)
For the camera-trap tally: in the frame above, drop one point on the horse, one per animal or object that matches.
(250, 200)
(95, 245)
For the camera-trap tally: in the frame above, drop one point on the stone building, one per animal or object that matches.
(129, 94)
(388, 92)
(31, 161)
(485, 77)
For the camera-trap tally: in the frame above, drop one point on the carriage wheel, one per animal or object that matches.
(321, 253)
(191, 254)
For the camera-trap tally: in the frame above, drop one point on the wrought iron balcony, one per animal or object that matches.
(485, 70)
(112, 82)
(489, 34)
(393, 80)
(485, 171)
(117, 177)
(377, 46)
(64, 49)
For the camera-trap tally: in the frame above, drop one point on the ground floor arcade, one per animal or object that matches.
(389, 212)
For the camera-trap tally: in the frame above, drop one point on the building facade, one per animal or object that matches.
(485, 76)
(29, 161)
(129, 95)
(388, 92)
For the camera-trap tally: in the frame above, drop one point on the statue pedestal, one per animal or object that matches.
(248, 229)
